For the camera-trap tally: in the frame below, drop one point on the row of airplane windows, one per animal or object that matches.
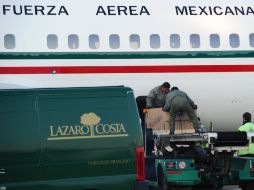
(134, 41)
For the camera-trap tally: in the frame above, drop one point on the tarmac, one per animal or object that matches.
(231, 188)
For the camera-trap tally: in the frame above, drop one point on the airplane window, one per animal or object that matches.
(94, 41)
(114, 41)
(174, 40)
(155, 41)
(195, 40)
(52, 41)
(234, 40)
(251, 39)
(214, 40)
(134, 41)
(9, 41)
(73, 41)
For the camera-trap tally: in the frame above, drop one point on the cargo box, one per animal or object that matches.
(157, 119)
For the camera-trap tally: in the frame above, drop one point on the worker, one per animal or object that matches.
(202, 128)
(157, 96)
(248, 127)
(179, 102)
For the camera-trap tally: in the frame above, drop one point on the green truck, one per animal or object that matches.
(182, 161)
(202, 160)
(71, 138)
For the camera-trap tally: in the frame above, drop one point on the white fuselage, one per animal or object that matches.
(204, 48)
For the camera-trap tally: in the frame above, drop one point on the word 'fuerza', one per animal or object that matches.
(34, 10)
(213, 10)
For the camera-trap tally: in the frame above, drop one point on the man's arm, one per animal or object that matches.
(150, 99)
(242, 128)
(168, 103)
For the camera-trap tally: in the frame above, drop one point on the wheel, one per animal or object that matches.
(218, 187)
(154, 188)
(182, 188)
(161, 180)
(247, 185)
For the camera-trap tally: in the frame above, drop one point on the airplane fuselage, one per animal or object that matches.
(204, 48)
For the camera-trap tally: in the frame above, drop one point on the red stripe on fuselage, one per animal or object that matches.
(126, 69)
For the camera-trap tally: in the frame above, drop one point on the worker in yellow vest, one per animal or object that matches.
(248, 127)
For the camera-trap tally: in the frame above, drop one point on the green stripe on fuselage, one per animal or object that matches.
(126, 55)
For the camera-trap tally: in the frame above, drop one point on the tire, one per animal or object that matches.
(247, 185)
(154, 188)
(218, 187)
(182, 188)
(163, 185)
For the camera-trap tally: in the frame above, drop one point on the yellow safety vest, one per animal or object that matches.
(248, 127)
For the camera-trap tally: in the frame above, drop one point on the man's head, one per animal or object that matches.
(174, 88)
(165, 87)
(246, 117)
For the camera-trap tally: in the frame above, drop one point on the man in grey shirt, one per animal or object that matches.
(157, 96)
(178, 102)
